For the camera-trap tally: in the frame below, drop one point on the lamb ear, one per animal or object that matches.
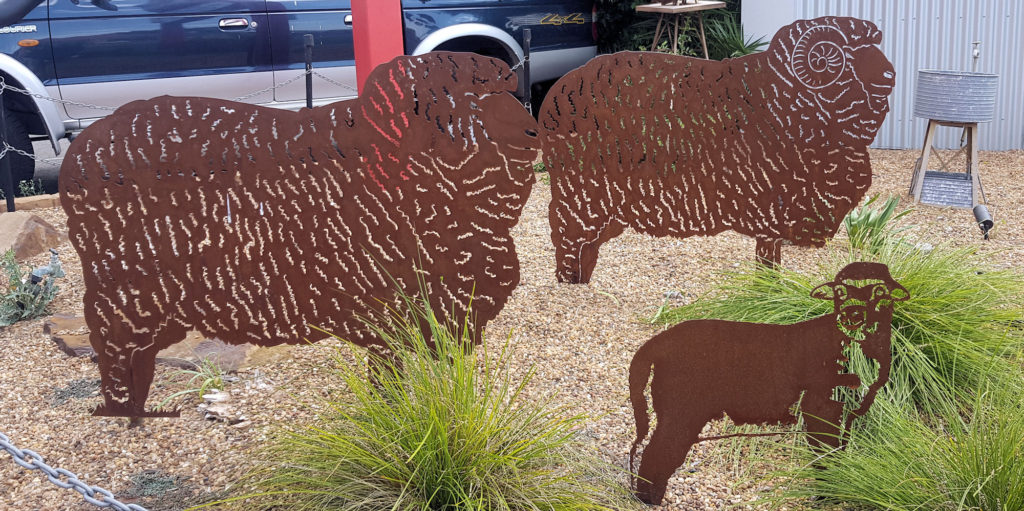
(824, 291)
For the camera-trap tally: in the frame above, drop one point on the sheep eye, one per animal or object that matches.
(841, 292)
(879, 292)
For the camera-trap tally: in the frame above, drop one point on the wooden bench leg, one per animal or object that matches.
(703, 41)
(657, 33)
(926, 152)
(972, 162)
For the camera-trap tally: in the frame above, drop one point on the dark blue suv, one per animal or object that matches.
(110, 52)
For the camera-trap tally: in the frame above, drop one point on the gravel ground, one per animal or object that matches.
(580, 339)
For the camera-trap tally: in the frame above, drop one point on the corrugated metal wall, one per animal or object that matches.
(937, 34)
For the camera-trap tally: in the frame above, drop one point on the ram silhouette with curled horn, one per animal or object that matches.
(771, 145)
(758, 373)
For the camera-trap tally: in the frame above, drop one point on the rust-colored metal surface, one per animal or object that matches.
(771, 145)
(757, 373)
(255, 225)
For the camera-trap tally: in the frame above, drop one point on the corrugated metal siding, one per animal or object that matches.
(937, 34)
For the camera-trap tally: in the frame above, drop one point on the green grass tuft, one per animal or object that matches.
(870, 228)
(903, 460)
(206, 376)
(451, 431)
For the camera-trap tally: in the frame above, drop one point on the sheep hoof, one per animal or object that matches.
(126, 411)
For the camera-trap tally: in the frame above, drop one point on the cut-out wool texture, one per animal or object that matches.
(771, 145)
(757, 373)
(253, 224)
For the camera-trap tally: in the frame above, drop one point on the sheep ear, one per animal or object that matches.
(824, 291)
(899, 293)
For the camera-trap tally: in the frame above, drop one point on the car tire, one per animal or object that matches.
(23, 168)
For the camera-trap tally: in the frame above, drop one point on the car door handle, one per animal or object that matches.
(233, 23)
(348, 19)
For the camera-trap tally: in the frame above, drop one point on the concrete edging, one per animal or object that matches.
(34, 202)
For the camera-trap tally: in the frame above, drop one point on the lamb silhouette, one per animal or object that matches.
(755, 373)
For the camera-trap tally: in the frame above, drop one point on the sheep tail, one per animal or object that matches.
(639, 373)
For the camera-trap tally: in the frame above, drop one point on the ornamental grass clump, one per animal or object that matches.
(449, 431)
(904, 460)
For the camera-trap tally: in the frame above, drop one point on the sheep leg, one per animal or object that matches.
(577, 257)
(126, 374)
(823, 417)
(126, 356)
(666, 452)
(769, 252)
(580, 223)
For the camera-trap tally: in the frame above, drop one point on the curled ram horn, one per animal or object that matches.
(819, 56)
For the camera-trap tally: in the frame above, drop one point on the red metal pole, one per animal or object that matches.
(376, 34)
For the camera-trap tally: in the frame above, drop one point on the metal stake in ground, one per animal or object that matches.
(527, 90)
(6, 173)
(308, 41)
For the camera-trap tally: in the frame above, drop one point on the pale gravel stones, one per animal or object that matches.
(579, 337)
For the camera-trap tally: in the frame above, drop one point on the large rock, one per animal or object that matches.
(71, 335)
(27, 234)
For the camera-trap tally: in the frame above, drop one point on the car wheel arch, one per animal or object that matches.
(463, 36)
(37, 112)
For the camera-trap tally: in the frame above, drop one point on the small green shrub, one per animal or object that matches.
(726, 40)
(868, 228)
(206, 376)
(444, 432)
(27, 188)
(20, 297)
(903, 460)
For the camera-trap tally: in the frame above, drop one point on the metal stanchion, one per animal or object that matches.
(6, 173)
(308, 40)
(528, 90)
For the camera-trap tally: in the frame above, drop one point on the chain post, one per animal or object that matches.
(6, 172)
(527, 88)
(308, 41)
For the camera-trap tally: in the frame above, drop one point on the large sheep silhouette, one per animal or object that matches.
(771, 145)
(253, 224)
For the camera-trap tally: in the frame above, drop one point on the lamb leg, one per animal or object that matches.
(666, 452)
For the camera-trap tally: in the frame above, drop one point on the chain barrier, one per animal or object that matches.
(9, 148)
(5, 87)
(92, 494)
(272, 87)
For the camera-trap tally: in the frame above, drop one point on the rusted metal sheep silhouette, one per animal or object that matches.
(771, 145)
(252, 224)
(756, 373)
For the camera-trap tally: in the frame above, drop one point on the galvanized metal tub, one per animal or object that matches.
(955, 96)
